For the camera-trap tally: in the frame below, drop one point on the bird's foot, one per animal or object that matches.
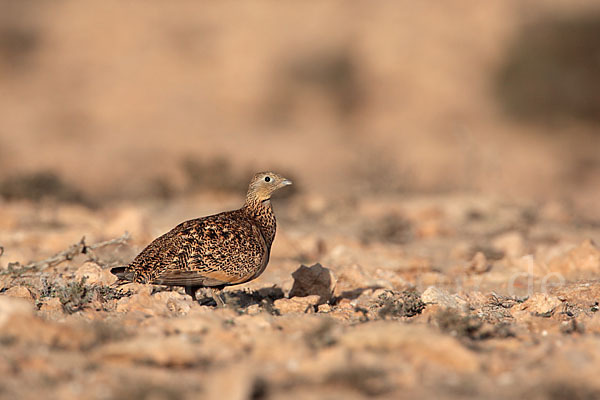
(216, 295)
(191, 291)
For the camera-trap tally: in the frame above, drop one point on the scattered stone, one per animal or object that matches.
(305, 304)
(94, 274)
(136, 288)
(142, 302)
(21, 292)
(161, 303)
(540, 304)
(313, 280)
(375, 338)
(324, 308)
(583, 295)
(405, 304)
(253, 309)
(433, 295)
(470, 326)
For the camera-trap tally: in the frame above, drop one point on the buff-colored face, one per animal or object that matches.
(264, 184)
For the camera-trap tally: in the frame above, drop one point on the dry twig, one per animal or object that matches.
(72, 251)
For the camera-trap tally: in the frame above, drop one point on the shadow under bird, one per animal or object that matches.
(220, 250)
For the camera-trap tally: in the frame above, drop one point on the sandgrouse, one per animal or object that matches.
(220, 250)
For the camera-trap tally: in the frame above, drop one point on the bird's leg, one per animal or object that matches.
(216, 295)
(191, 290)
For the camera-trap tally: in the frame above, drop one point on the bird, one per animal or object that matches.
(225, 249)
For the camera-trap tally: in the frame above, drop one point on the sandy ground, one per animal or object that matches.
(453, 296)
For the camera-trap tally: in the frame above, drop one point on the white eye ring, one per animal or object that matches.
(267, 179)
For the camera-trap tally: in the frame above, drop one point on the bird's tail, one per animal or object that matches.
(121, 273)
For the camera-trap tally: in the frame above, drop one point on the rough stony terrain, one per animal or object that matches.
(399, 297)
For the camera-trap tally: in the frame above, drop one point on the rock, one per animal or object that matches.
(21, 292)
(313, 280)
(581, 294)
(541, 304)
(433, 295)
(479, 264)
(511, 244)
(582, 260)
(297, 304)
(324, 308)
(137, 288)
(476, 300)
(94, 274)
(253, 309)
(162, 303)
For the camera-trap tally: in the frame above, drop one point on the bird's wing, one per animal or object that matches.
(212, 251)
(192, 278)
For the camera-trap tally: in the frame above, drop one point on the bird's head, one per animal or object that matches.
(264, 184)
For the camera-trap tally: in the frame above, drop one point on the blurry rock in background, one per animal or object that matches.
(137, 101)
(551, 71)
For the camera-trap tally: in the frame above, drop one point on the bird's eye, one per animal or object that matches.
(267, 179)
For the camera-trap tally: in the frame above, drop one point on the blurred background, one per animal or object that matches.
(110, 101)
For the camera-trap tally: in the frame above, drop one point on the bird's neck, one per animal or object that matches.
(262, 213)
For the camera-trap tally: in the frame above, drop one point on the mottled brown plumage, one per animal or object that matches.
(220, 250)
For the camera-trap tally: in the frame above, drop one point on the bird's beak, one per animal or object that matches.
(286, 182)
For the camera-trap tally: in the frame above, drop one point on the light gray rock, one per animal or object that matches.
(433, 295)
